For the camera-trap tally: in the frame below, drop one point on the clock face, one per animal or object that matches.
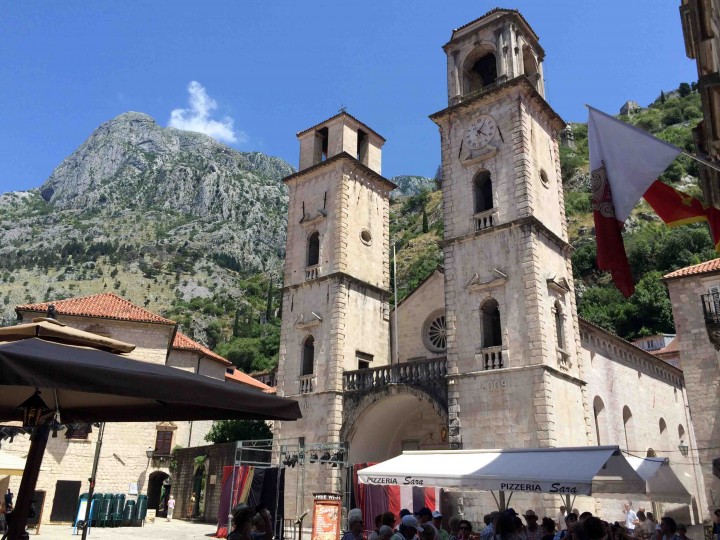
(480, 132)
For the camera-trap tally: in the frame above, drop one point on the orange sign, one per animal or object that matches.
(327, 512)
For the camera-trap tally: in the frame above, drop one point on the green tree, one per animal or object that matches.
(238, 430)
(213, 332)
(269, 301)
(684, 89)
(425, 224)
(662, 97)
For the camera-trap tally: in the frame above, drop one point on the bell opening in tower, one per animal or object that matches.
(480, 71)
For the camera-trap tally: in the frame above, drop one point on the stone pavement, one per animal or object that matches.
(160, 530)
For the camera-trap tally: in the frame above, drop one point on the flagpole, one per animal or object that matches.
(683, 152)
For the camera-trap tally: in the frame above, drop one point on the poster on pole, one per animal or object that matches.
(327, 513)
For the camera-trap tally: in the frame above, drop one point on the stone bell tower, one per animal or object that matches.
(513, 340)
(336, 282)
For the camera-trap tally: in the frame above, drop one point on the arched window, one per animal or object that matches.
(559, 325)
(600, 421)
(480, 70)
(308, 357)
(530, 67)
(629, 425)
(482, 192)
(664, 440)
(491, 331)
(681, 433)
(313, 249)
(651, 453)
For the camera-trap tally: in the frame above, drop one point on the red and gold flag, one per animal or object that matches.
(674, 207)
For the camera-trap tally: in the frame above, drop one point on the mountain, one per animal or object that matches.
(162, 216)
(411, 185)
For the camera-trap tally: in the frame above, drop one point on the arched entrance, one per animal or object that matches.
(200, 479)
(398, 418)
(158, 492)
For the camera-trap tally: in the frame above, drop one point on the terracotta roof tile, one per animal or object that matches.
(104, 306)
(702, 268)
(184, 343)
(238, 376)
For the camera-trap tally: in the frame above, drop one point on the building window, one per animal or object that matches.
(480, 71)
(321, 145)
(544, 178)
(681, 433)
(664, 440)
(600, 420)
(363, 359)
(313, 249)
(434, 332)
(163, 443)
(491, 330)
(308, 356)
(78, 431)
(482, 192)
(530, 67)
(629, 425)
(559, 326)
(362, 147)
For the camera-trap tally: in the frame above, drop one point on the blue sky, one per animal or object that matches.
(273, 68)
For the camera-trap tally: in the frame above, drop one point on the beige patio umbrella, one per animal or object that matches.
(52, 330)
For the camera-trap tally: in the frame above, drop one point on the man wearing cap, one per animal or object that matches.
(533, 531)
(408, 528)
(355, 525)
(437, 521)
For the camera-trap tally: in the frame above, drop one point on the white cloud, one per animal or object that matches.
(197, 117)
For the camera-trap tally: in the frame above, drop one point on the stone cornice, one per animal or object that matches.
(527, 220)
(500, 372)
(496, 92)
(342, 156)
(337, 276)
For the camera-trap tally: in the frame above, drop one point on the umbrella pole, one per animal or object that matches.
(93, 475)
(38, 442)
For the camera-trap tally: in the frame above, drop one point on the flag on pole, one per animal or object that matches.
(624, 162)
(674, 207)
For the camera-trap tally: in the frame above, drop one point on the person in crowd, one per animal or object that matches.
(668, 528)
(533, 530)
(454, 523)
(570, 521)
(651, 524)
(170, 507)
(560, 518)
(355, 525)
(424, 515)
(593, 528)
(388, 518)
(682, 532)
(488, 533)
(409, 527)
(385, 532)
(507, 526)
(464, 529)
(376, 531)
(429, 532)
(437, 523)
(243, 519)
(548, 528)
(641, 523)
(630, 517)
(716, 525)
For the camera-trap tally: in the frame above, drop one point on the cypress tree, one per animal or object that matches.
(268, 307)
(425, 224)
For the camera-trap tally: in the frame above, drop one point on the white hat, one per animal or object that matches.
(436, 514)
(411, 521)
(354, 515)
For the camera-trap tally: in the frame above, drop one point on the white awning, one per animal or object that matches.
(11, 465)
(593, 470)
(661, 482)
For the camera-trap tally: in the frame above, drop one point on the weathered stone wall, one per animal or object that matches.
(701, 369)
(217, 457)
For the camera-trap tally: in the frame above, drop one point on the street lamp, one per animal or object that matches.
(684, 449)
(33, 409)
(150, 452)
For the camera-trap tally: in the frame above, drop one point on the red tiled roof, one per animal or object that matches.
(673, 347)
(104, 306)
(184, 343)
(702, 268)
(238, 376)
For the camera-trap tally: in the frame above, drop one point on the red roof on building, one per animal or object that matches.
(673, 347)
(238, 376)
(702, 268)
(104, 306)
(184, 343)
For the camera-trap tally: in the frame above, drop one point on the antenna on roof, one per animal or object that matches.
(343, 109)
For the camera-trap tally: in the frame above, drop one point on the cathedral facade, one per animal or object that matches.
(488, 352)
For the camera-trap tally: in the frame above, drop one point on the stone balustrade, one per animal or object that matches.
(417, 373)
(307, 384)
(493, 358)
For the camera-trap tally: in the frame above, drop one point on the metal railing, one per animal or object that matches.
(711, 307)
(413, 373)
